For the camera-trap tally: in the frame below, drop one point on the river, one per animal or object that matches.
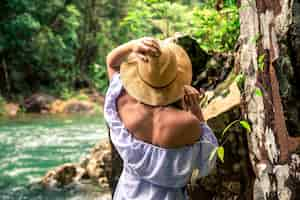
(33, 144)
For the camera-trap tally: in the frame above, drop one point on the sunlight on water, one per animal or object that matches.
(30, 146)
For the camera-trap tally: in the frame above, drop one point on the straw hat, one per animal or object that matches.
(159, 81)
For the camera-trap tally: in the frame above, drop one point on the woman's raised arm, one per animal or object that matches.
(142, 47)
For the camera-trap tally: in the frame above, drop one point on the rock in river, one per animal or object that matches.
(38, 102)
(96, 166)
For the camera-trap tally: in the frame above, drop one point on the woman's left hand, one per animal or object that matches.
(146, 46)
(191, 101)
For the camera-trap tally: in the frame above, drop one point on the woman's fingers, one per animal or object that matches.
(152, 48)
(191, 96)
(186, 90)
(153, 42)
(145, 49)
(142, 57)
(195, 98)
(146, 46)
(188, 99)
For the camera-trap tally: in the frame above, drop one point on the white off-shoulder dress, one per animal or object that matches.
(151, 172)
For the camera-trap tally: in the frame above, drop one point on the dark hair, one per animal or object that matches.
(177, 104)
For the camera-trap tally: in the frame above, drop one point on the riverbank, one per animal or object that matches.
(41, 103)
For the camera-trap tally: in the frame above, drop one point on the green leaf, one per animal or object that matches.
(261, 58)
(261, 62)
(240, 78)
(245, 125)
(258, 92)
(220, 151)
(212, 153)
(240, 81)
(261, 66)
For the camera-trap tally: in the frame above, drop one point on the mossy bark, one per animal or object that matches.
(264, 33)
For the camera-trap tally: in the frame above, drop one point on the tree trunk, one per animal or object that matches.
(263, 51)
(268, 56)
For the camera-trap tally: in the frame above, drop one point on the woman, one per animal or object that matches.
(156, 123)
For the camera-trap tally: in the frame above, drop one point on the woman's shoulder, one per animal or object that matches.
(176, 128)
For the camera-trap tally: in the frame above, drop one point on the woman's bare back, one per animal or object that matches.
(163, 126)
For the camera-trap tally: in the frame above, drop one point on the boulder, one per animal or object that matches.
(11, 109)
(78, 106)
(38, 103)
(63, 176)
(98, 164)
(73, 106)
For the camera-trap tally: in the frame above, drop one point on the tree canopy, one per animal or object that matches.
(60, 45)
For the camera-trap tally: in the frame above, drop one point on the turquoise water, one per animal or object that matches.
(31, 145)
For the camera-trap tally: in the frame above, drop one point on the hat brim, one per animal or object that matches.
(144, 93)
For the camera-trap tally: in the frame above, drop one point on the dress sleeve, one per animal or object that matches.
(118, 134)
(208, 144)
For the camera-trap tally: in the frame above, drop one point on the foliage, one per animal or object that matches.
(51, 44)
(98, 76)
(245, 125)
(258, 92)
(220, 150)
(59, 46)
(215, 30)
(160, 19)
(68, 94)
(240, 80)
(261, 62)
(81, 97)
(220, 153)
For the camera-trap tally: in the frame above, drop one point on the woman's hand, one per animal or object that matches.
(143, 47)
(146, 46)
(191, 101)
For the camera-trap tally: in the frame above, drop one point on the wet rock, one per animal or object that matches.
(77, 106)
(74, 106)
(103, 181)
(38, 102)
(11, 109)
(57, 106)
(99, 163)
(63, 176)
(43, 103)
(96, 166)
(95, 97)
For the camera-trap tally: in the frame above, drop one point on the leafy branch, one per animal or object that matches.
(220, 149)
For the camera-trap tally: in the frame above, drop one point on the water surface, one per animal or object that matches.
(31, 145)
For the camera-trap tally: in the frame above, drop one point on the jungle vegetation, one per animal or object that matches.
(59, 46)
